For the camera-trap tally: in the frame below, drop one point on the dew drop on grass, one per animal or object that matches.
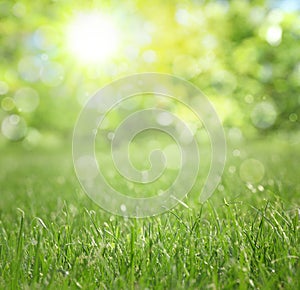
(251, 188)
(260, 188)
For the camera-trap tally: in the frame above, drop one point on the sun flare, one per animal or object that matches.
(92, 37)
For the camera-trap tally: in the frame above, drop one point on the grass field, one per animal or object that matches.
(245, 237)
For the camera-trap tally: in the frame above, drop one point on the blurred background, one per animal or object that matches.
(243, 55)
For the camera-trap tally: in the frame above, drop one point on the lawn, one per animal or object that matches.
(245, 237)
(244, 57)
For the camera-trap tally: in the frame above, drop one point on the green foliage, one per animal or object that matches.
(239, 53)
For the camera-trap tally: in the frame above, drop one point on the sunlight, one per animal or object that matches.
(92, 37)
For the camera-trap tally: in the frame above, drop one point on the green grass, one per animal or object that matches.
(53, 237)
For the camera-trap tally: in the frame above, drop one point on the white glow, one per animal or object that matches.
(92, 37)
(274, 35)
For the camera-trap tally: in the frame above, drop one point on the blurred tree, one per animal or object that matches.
(244, 55)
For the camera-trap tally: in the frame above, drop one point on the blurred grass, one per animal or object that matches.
(36, 174)
(246, 235)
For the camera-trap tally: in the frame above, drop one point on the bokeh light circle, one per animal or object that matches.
(52, 74)
(264, 115)
(26, 99)
(14, 127)
(29, 68)
(252, 171)
(3, 88)
(7, 104)
(91, 173)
